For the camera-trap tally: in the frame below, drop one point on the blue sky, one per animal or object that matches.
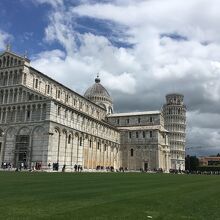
(26, 21)
(142, 49)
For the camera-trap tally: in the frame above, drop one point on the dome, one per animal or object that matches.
(98, 94)
(97, 90)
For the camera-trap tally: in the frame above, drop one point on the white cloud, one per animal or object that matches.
(93, 57)
(4, 39)
(123, 82)
(53, 3)
(197, 19)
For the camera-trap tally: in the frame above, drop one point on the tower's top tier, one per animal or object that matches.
(174, 99)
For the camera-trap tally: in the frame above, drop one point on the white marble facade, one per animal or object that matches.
(174, 112)
(144, 140)
(42, 123)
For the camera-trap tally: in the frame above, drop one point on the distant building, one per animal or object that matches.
(209, 161)
(44, 124)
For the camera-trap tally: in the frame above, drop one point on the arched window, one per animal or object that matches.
(58, 110)
(28, 114)
(69, 139)
(80, 141)
(11, 62)
(5, 78)
(132, 152)
(110, 111)
(8, 61)
(48, 89)
(15, 81)
(36, 83)
(25, 78)
(58, 94)
(4, 61)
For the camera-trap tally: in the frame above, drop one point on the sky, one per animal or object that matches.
(142, 49)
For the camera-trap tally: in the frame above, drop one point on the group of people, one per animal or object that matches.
(9, 166)
(78, 168)
(108, 168)
(5, 165)
(122, 169)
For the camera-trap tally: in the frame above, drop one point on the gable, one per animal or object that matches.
(8, 59)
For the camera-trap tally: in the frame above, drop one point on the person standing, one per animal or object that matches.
(75, 167)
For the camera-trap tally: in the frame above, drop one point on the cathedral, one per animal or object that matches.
(46, 126)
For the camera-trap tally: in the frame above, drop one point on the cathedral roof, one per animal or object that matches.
(135, 113)
(97, 90)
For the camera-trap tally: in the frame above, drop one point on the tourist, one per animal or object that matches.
(64, 167)
(49, 165)
(75, 167)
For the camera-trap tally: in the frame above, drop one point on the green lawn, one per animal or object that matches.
(108, 196)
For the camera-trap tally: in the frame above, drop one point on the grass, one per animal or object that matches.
(100, 196)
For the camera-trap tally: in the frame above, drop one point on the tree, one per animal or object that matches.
(191, 163)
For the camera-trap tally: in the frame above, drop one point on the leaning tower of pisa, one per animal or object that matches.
(174, 112)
